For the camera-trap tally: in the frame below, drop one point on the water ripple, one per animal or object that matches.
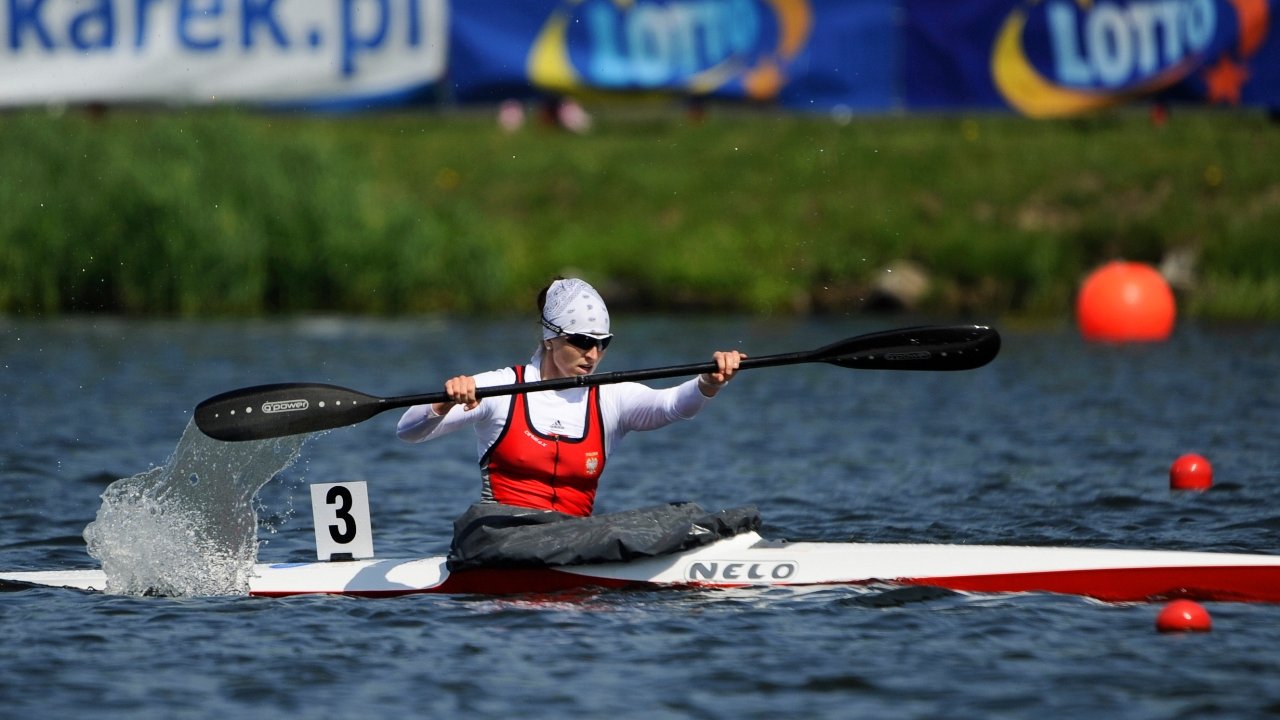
(1056, 443)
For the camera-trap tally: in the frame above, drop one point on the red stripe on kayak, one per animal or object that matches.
(1247, 583)
(508, 581)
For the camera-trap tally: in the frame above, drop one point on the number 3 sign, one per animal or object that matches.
(340, 512)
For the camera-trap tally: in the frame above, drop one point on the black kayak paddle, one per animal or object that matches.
(269, 411)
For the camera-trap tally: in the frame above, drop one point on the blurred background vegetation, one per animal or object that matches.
(218, 212)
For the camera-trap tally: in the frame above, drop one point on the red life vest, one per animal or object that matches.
(546, 472)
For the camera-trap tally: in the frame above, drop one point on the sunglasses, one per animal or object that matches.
(586, 342)
(578, 340)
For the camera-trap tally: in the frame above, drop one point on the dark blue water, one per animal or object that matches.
(1056, 442)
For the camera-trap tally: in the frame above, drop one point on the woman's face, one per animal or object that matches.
(563, 359)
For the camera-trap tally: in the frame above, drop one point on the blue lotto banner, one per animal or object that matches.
(1040, 58)
(797, 53)
(1052, 58)
(204, 51)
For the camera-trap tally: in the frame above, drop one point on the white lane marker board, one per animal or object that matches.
(340, 513)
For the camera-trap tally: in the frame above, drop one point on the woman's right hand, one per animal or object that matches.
(461, 391)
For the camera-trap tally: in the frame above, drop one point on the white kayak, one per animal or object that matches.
(746, 560)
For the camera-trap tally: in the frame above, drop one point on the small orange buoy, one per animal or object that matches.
(1183, 616)
(1191, 472)
(1125, 302)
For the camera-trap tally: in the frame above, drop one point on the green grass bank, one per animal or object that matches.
(221, 212)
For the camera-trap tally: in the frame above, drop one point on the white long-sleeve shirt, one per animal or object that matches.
(623, 406)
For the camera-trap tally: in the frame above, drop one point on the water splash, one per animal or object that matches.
(189, 527)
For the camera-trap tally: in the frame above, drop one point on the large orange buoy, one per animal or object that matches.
(1125, 302)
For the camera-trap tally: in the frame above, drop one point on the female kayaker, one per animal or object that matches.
(546, 450)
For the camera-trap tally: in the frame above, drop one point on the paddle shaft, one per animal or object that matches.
(607, 378)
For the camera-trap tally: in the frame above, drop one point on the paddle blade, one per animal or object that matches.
(956, 347)
(269, 411)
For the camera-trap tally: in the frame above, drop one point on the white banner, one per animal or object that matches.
(208, 51)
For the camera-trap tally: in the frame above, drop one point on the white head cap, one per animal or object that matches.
(573, 306)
